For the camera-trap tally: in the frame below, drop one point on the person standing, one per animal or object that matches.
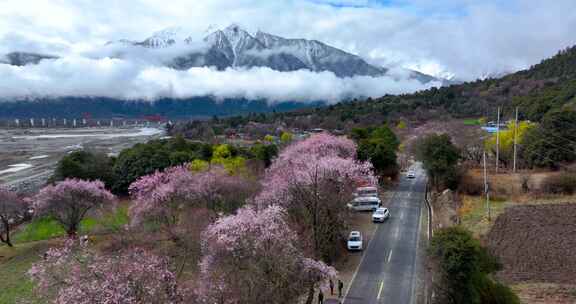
(340, 288)
(331, 287)
(320, 297)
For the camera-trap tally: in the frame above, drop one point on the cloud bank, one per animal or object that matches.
(465, 38)
(134, 80)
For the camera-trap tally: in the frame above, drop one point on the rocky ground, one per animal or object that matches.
(29, 156)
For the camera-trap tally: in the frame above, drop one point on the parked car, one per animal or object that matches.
(411, 174)
(380, 215)
(355, 241)
(365, 203)
(366, 191)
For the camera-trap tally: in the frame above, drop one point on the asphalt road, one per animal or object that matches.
(387, 272)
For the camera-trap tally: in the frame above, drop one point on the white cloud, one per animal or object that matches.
(445, 37)
(116, 78)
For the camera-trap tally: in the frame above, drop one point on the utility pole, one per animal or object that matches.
(486, 190)
(515, 138)
(498, 141)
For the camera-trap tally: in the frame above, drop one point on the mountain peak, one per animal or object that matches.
(234, 46)
(164, 38)
(235, 29)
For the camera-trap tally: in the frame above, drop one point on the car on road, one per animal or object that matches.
(366, 191)
(355, 241)
(365, 203)
(380, 215)
(411, 174)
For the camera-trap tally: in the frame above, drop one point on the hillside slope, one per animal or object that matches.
(546, 86)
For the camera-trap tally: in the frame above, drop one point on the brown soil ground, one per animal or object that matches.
(546, 293)
(536, 243)
(509, 184)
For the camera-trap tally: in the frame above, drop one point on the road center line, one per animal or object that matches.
(374, 232)
(389, 256)
(380, 290)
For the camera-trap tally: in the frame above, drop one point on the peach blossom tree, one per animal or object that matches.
(254, 257)
(70, 200)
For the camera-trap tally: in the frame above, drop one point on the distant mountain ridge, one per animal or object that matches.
(234, 47)
(237, 48)
(24, 58)
(228, 48)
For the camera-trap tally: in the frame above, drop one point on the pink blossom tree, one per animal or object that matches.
(321, 145)
(70, 200)
(76, 274)
(11, 207)
(163, 197)
(314, 187)
(253, 257)
(220, 191)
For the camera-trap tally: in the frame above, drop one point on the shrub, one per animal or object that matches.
(464, 269)
(563, 183)
(470, 185)
(86, 165)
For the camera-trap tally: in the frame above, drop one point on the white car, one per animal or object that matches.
(366, 191)
(411, 174)
(355, 241)
(365, 203)
(380, 215)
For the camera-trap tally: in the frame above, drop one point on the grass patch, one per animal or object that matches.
(472, 122)
(37, 230)
(15, 284)
(33, 239)
(47, 228)
(115, 221)
(474, 216)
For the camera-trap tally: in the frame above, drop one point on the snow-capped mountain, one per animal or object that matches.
(234, 47)
(24, 58)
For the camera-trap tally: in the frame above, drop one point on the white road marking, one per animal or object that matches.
(380, 290)
(359, 264)
(389, 256)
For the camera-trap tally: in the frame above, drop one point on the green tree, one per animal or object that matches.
(265, 153)
(463, 269)
(269, 138)
(506, 141)
(379, 145)
(440, 158)
(286, 137)
(228, 157)
(221, 151)
(552, 142)
(199, 165)
(180, 157)
(358, 134)
(85, 165)
(140, 160)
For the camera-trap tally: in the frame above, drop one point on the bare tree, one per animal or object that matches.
(12, 207)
